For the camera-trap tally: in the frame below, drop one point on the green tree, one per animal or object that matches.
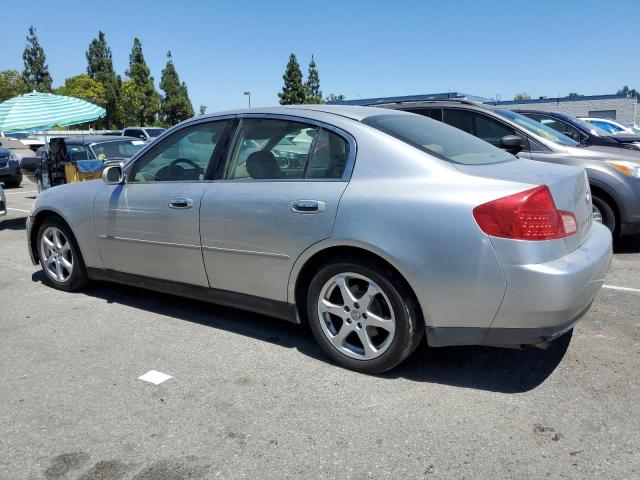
(334, 98)
(100, 68)
(131, 103)
(140, 74)
(522, 96)
(175, 105)
(313, 93)
(574, 94)
(36, 71)
(12, 84)
(203, 109)
(293, 91)
(84, 87)
(629, 92)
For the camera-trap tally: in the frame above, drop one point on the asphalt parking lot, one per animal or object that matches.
(253, 397)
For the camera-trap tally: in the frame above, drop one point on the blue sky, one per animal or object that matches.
(362, 48)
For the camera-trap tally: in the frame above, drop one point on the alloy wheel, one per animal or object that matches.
(55, 250)
(597, 214)
(356, 316)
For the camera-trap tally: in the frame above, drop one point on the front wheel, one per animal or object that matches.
(363, 316)
(60, 256)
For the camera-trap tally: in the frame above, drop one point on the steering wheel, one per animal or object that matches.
(198, 168)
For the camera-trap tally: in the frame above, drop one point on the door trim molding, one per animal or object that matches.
(247, 252)
(149, 242)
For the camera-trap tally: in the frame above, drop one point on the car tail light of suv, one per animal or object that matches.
(528, 215)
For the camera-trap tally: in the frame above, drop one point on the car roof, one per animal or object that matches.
(87, 139)
(353, 112)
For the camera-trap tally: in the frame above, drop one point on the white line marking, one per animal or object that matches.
(16, 193)
(19, 210)
(155, 377)
(622, 289)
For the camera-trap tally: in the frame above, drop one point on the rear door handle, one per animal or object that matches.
(180, 202)
(308, 206)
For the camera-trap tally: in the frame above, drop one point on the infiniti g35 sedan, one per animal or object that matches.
(376, 227)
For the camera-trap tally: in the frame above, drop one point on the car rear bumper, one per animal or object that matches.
(542, 301)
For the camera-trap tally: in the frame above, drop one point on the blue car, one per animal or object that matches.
(583, 132)
(10, 173)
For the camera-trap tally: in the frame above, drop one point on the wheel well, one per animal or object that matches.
(37, 221)
(319, 259)
(600, 193)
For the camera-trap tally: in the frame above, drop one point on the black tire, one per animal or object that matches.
(409, 326)
(608, 214)
(13, 183)
(78, 278)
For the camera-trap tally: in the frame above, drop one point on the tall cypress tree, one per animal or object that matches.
(140, 74)
(293, 91)
(36, 71)
(312, 86)
(175, 105)
(100, 68)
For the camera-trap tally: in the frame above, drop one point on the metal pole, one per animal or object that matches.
(248, 94)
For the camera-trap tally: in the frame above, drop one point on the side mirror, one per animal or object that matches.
(113, 175)
(142, 136)
(511, 143)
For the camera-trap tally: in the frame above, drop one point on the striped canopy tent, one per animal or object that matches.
(42, 111)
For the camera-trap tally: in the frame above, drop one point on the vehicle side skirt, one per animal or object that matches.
(282, 310)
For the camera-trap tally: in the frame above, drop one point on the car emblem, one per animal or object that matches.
(587, 197)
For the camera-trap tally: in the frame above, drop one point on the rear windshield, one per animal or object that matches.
(155, 132)
(439, 139)
(117, 149)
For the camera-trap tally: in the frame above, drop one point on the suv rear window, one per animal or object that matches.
(438, 139)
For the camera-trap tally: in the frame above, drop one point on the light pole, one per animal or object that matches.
(249, 95)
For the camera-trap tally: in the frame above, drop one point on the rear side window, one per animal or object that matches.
(272, 149)
(439, 139)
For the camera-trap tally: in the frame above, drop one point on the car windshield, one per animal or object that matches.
(155, 132)
(537, 128)
(117, 149)
(595, 129)
(439, 139)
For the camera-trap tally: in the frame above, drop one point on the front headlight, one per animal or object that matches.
(630, 169)
(13, 158)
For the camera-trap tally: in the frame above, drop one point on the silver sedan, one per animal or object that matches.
(376, 227)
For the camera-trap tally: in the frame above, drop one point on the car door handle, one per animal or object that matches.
(308, 206)
(180, 202)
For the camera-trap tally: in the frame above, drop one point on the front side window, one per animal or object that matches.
(439, 139)
(491, 130)
(183, 156)
(272, 149)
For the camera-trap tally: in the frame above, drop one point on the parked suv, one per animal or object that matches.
(582, 131)
(148, 134)
(10, 173)
(614, 174)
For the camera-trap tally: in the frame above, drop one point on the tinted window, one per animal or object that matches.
(438, 139)
(78, 152)
(460, 119)
(155, 132)
(182, 156)
(491, 130)
(135, 133)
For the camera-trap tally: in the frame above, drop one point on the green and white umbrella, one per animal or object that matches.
(42, 111)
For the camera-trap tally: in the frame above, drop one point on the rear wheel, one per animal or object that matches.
(603, 213)
(60, 256)
(363, 316)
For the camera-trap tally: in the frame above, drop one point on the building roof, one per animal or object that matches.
(579, 98)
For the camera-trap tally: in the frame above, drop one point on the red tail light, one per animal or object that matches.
(528, 215)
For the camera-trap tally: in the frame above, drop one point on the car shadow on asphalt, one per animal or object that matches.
(13, 224)
(483, 368)
(628, 244)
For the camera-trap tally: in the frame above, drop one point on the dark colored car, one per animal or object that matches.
(10, 173)
(614, 173)
(582, 131)
(94, 147)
